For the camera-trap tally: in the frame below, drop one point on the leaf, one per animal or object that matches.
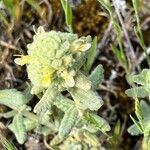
(82, 82)
(145, 110)
(106, 4)
(68, 122)
(47, 99)
(91, 139)
(97, 76)
(6, 144)
(8, 114)
(140, 92)
(97, 122)
(68, 14)
(138, 111)
(116, 135)
(36, 6)
(133, 130)
(44, 130)
(4, 19)
(91, 56)
(27, 93)
(63, 103)
(18, 128)
(143, 78)
(56, 140)
(29, 124)
(13, 7)
(86, 99)
(12, 98)
(138, 125)
(9, 5)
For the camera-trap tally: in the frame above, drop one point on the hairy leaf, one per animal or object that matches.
(56, 140)
(29, 124)
(47, 99)
(91, 139)
(86, 99)
(18, 128)
(12, 98)
(68, 122)
(145, 110)
(44, 130)
(97, 122)
(82, 82)
(97, 76)
(138, 111)
(140, 92)
(63, 103)
(133, 130)
(138, 125)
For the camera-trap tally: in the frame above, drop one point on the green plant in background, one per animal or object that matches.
(53, 64)
(14, 9)
(6, 144)
(138, 31)
(68, 14)
(142, 109)
(119, 52)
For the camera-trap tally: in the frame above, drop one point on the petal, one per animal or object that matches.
(23, 60)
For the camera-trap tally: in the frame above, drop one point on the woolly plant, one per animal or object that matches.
(141, 89)
(68, 100)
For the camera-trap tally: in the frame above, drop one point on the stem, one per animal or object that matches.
(133, 57)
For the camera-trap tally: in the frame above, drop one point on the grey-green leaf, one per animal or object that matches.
(47, 99)
(145, 110)
(133, 130)
(97, 76)
(68, 122)
(97, 122)
(18, 128)
(12, 98)
(86, 99)
(140, 92)
(82, 82)
(63, 103)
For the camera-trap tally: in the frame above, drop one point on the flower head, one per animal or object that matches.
(53, 56)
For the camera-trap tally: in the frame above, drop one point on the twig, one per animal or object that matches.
(8, 45)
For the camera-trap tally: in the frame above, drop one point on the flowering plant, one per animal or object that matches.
(54, 64)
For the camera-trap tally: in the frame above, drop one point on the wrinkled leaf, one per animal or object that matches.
(68, 122)
(47, 99)
(86, 99)
(145, 110)
(140, 92)
(63, 103)
(82, 82)
(97, 76)
(97, 122)
(18, 128)
(91, 139)
(12, 98)
(133, 130)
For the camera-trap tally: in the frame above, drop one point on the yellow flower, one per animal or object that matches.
(23, 60)
(79, 45)
(47, 77)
